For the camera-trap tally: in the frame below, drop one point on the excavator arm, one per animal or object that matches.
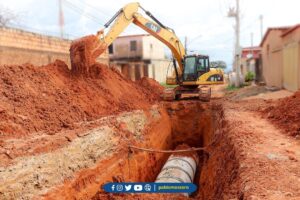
(87, 49)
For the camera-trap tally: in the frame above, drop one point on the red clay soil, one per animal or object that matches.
(51, 98)
(285, 113)
(83, 53)
(192, 154)
(151, 85)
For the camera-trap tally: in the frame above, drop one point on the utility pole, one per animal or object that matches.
(261, 26)
(61, 19)
(251, 35)
(235, 12)
(185, 44)
(252, 44)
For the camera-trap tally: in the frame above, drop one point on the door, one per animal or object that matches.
(291, 67)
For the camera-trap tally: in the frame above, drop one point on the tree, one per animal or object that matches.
(218, 64)
(6, 17)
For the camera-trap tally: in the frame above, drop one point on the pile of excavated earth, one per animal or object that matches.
(285, 113)
(52, 97)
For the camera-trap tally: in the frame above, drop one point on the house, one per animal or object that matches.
(250, 62)
(272, 60)
(140, 55)
(281, 57)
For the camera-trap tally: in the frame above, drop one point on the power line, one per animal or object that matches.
(89, 16)
(82, 12)
(195, 38)
(61, 18)
(249, 25)
(95, 9)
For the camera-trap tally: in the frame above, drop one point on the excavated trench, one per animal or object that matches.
(102, 155)
(193, 123)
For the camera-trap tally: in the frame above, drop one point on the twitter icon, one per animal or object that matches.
(127, 187)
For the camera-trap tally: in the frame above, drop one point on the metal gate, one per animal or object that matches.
(291, 67)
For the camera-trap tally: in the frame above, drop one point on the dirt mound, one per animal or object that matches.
(285, 113)
(152, 85)
(50, 98)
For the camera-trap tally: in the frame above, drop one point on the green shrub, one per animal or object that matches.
(233, 87)
(249, 76)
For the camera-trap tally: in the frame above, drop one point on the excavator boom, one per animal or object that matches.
(85, 50)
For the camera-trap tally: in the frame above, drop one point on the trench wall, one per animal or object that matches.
(168, 126)
(78, 170)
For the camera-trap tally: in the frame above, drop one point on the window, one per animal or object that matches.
(201, 64)
(133, 45)
(111, 49)
(215, 78)
(189, 67)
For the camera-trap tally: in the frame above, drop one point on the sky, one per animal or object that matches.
(204, 22)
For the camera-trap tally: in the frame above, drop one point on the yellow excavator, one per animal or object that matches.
(192, 73)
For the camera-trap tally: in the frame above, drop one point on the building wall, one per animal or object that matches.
(121, 48)
(291, 67)
(148, 60)
(18, 47)
(136, 70)
(158, 70)
(244, 66)
(148, 47)
(272, 59)
(291, 60)
(153, 48)
(250, 62)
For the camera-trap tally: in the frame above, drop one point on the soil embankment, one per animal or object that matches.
(51, 98)
(285, 113)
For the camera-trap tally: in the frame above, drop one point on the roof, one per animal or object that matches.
(255, 48)
(290, 30)
(281, 28)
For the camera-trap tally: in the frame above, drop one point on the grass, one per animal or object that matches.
(232, 87)
(168, 86)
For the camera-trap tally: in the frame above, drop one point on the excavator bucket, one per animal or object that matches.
(84, 51)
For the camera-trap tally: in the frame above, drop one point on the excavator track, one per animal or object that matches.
(171, 94)
(204, 93)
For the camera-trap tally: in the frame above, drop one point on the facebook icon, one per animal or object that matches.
(113, 188)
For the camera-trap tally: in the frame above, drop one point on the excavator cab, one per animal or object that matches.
(194, 67)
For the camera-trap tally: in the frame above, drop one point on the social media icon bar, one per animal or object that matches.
(150, 187)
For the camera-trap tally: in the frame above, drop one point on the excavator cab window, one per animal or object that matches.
(201, 65)
(195, 66)
(190, 64)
